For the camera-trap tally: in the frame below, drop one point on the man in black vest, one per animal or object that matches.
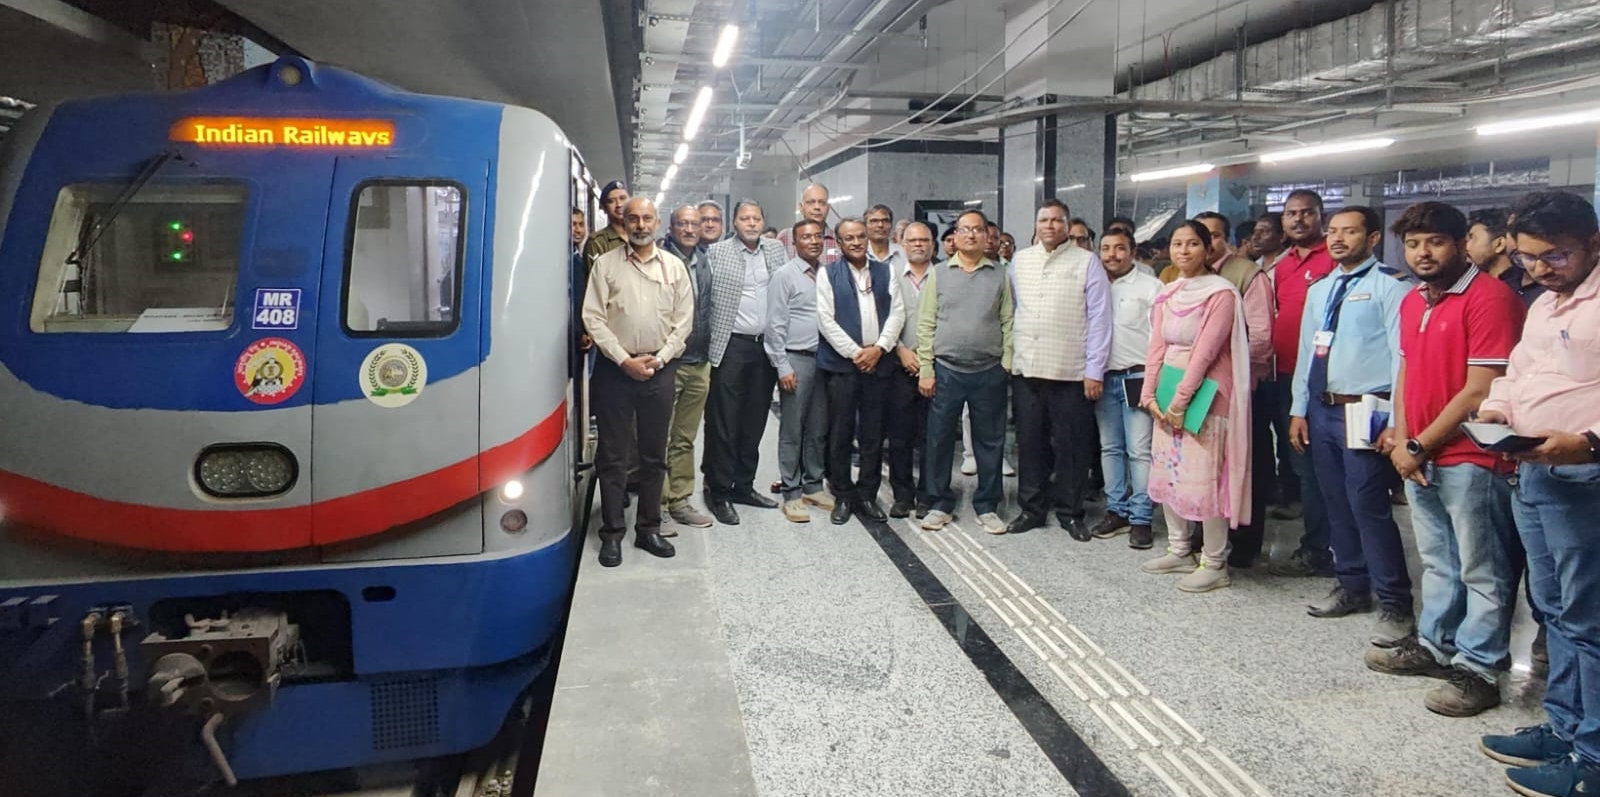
(859, 314)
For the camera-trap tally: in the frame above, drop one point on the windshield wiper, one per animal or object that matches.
(91, 234)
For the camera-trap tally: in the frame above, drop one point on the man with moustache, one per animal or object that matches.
(859, 313)
(711, 230)
(1305, 262)
(1456, 334)
(792, 346)
(814, 206)
(1551, 392)
(947, 243)
(879, 247)
(741, 375)
(613, 198)
(693, 381)
(1349, 342)
(908, 408)
(1489, 248)
(638, 308)
(1267, 241)
(1125, 429)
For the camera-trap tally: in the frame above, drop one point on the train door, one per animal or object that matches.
(395, 428)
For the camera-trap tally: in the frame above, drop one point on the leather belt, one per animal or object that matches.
(801, 352)
(1336, 399)
(742, 336)
(1137, 369)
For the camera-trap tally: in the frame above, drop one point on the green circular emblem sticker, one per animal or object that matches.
(393, 375)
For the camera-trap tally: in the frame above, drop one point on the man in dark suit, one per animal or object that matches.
(742, 377)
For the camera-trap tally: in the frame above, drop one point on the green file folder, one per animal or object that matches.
(1198, 406)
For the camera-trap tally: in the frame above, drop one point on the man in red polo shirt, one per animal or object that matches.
(1456, 335)
(1306, 262)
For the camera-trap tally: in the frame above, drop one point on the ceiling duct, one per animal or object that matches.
(1355, 54)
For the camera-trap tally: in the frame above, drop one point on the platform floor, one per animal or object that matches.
(773, 658)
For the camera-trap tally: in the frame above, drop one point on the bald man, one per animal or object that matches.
(638, 309)
(814, 207)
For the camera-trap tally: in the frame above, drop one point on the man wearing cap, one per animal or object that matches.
(612, 198)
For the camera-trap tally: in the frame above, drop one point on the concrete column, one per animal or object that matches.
(1222, 191)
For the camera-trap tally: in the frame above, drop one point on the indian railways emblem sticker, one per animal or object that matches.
(270, 371)
(393, 375)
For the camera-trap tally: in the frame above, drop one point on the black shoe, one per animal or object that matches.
(841, 511)
(627, 499)
(653, 543)
(1341, 602)
(1025, 522)
(1074, 528)
(610, 548)
(870, 510)
(750, 497)
(900, 509)
(1302, 564)
(1140, 537)
(722, 511)
(922, 510)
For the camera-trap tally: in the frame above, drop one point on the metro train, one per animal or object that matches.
(288, 438)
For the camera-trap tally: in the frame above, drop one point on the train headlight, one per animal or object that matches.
(250, 470)
(511, 491)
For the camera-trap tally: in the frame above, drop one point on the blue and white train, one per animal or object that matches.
(287, 446)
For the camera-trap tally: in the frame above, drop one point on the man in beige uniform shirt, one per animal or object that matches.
(638, 309)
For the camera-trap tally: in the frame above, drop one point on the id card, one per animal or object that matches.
(1323, 341)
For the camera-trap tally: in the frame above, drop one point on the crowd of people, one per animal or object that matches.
(1215, 376)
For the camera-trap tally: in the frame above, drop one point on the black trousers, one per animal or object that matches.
(1248, 539)
(908, 432)
(857, 409)
(736, 416)
(1053, 418)
(623, 407)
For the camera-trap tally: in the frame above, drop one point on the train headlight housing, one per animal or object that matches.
(247, 470)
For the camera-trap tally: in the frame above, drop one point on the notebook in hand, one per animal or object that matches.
(1195, 415)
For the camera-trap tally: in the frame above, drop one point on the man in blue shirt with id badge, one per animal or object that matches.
(1349, 341)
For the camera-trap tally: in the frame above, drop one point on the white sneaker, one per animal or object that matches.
(969, 466)
(1170, 562)
(1006, 469)
(935, 520)
(992, 523)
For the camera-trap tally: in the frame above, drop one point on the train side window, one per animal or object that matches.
(165, 260)
(403, 276)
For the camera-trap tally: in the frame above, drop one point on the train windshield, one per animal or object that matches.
(165, 260)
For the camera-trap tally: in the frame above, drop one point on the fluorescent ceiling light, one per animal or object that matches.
(1039, 179)
(972, 202)
(838, 199)
(1540, 123)
(672, 171)
(1177, 171)
(1073, 187)
(725, 42)
(660, 195)
(682, 154)
(1333, 148)
(666, 184)
(697, 114)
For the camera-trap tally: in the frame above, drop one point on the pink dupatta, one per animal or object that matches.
(1185, 296)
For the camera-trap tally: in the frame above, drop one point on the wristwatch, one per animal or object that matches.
(1415, 449)
(1594, 446)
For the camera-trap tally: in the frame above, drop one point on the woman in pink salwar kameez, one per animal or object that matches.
(1197, 326)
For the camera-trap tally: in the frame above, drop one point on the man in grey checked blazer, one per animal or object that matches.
(742, 377)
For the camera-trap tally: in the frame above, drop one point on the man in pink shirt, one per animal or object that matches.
(1551, 391)
(1306, 262)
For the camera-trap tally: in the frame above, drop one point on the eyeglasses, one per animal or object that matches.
(971, 230)
(1552, 259)
(809, 236)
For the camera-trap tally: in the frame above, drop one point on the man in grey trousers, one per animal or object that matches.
(791, 344)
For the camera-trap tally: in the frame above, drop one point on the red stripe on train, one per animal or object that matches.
(68, 513)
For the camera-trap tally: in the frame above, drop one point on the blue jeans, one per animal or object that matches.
(1124, 451)
(1556, 509)
(1367, 554)
(1462, 520)
(1314, 511)
(985, 393)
